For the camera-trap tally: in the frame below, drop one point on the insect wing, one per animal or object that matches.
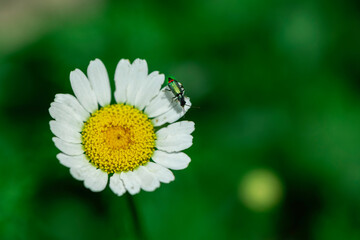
(175, 88)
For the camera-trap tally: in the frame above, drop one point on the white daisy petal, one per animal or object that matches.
(175, 161)
(161, 103)
(83, 91)
(95, 179)
(122, 80)
(65, 132)
(116, 184)
(74, 104)
(99, 80)
(131, 182)
(175, 144)
(148, 181)
(161, 173)
(149, 89)
(175, 137)
(62, 113)
(138, 74)
(72, 161)
(172, 114)
(80, 172)
(68, 148)
(183, 127)
(77, 174)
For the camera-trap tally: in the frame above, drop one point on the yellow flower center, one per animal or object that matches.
(118, 138)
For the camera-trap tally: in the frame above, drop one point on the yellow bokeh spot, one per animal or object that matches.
(260, 190)
(118, 138)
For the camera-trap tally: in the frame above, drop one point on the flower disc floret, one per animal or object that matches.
(118, 138)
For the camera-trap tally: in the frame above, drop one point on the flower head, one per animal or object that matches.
(120, 142)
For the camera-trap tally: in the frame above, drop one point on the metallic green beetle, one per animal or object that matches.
(178, 90)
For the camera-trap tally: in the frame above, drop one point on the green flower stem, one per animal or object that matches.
(135, 216)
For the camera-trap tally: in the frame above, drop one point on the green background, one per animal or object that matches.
(277, 84)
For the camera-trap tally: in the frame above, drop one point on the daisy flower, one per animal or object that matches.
(123, 143)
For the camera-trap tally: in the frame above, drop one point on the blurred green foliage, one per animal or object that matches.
(277, 83)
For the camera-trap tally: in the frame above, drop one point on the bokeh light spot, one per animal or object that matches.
(260, 190)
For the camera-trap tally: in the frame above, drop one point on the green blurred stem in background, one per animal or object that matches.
(135, 217)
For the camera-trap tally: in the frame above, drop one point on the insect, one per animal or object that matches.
(178, 90)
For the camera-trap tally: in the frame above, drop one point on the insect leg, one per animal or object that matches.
(166, 89)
